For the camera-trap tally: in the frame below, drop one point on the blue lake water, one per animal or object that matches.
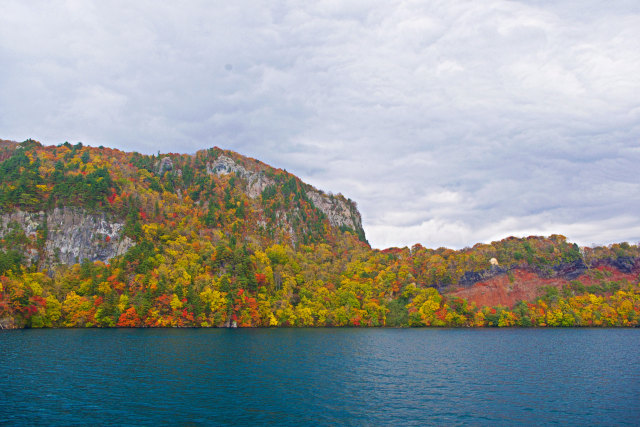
(320, 376)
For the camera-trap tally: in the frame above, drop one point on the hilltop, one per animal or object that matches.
(98, 237)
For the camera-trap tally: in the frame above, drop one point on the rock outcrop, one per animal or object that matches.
(625, 264)
(70, 235)
(568, 270)
(163, 165)
(339, 211)
(501, 286)
(256, 181)
(565, 270)
(470, 278)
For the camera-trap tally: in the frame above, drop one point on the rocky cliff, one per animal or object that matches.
(71, 203)
(64, 236)
(339, 211)
(506, 286)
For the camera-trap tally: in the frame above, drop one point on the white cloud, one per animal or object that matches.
(448, 122)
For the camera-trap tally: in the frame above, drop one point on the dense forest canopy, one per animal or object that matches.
(218, 239)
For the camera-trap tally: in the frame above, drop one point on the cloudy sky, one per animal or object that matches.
(448, 122)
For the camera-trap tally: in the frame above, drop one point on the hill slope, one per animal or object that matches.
(100, 237)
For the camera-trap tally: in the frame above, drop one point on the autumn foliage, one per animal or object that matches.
(212, 251)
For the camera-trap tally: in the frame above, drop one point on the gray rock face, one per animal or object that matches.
(256, 181)
(73, 235)
(225, 165)
(625, 264)
(470, 278)
(570, 270)
(337, 209)
(163, 165)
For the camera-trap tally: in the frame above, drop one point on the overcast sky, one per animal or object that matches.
(448, 122)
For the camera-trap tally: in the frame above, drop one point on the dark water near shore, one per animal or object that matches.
(320, 376)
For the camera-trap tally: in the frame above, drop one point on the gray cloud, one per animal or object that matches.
(449, 123)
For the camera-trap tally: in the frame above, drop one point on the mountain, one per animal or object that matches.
(97, 237)
(82, 195)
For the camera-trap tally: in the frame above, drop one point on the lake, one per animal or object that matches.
(320, 376)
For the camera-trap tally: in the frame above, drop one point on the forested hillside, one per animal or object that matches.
(97, 237)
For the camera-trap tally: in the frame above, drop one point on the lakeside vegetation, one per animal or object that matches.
(210, 253)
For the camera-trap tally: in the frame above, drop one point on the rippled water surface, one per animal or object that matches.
(320, 376)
